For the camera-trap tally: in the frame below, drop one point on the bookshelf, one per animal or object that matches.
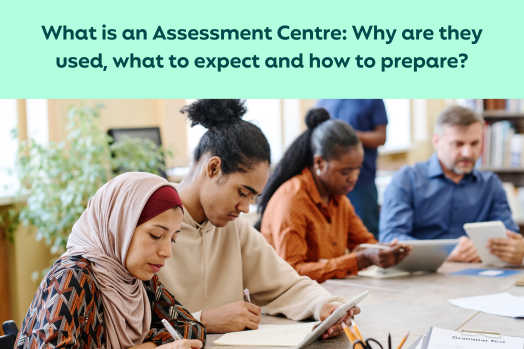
(503, 154)
(501, 115)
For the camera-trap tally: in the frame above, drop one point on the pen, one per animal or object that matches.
(246, 296)
(403, 341)
(171, 330)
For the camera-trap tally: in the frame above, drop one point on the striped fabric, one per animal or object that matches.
(67, 311)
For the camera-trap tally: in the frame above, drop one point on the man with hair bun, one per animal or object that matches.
(434, 199)
(218, 254)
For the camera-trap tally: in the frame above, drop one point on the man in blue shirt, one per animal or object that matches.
(434, 199)
(368, 117)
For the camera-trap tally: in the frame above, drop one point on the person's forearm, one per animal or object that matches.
(372, 139)
(363, 261)
(337, 268)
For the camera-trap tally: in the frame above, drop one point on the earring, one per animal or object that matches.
(318, 172)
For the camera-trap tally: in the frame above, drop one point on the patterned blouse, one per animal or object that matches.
(67, 311)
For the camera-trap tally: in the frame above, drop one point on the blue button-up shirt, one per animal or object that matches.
(421, 203)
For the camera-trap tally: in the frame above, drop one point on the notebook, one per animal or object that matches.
(269, 336)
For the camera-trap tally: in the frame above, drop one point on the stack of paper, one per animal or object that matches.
(503, 304)
(380, 273)
(269, 336)
(438, 338)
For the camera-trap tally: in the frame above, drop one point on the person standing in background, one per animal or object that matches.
(368, 117)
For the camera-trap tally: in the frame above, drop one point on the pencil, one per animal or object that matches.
(354, 324)
(348, 332)
(403, 341)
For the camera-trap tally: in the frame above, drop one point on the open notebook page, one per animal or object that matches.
(269, 336)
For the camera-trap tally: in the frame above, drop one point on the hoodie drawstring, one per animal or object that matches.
(203, 233)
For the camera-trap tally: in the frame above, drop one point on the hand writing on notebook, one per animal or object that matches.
(465, 251)
(336, 329)
(509, 250)
(383, 258)
(231, 317)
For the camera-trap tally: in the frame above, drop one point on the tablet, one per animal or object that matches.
(335, 317)
(426, 255)
(479, 233)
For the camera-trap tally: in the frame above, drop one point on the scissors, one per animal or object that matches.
(365, 344)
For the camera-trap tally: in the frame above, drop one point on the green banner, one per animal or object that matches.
(269, 49)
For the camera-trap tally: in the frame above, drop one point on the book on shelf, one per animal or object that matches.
(515, 200)
(508, 105)
(502, 147)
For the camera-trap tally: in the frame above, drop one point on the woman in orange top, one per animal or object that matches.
(305, 213)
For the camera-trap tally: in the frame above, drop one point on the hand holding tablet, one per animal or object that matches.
(509, 250)
(480, 233)
(337, 314)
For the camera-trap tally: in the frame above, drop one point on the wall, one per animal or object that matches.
(424, 115)
(25, 256)
(123, 113)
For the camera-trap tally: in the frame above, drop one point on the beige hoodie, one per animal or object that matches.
(211, 267)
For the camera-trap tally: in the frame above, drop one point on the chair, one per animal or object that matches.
(7, 341)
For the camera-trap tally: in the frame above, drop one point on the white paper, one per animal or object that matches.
(379, 273)
(418, 343)
(491, 272)
(269, 336)
(503, 304)
(445, 339)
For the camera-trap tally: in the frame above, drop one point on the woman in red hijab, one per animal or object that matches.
(104, 291)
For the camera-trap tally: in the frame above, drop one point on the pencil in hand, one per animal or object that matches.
(348, 333)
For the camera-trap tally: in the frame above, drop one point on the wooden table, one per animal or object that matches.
(415, 303)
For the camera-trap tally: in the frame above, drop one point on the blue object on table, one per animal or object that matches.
(487, 272)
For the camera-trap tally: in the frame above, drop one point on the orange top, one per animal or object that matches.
(303, 230)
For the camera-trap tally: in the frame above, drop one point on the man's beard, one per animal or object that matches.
(462, 172)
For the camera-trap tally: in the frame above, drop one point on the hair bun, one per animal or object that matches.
(213, 113)
(315, 117)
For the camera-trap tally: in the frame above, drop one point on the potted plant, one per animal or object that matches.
(60, 178)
